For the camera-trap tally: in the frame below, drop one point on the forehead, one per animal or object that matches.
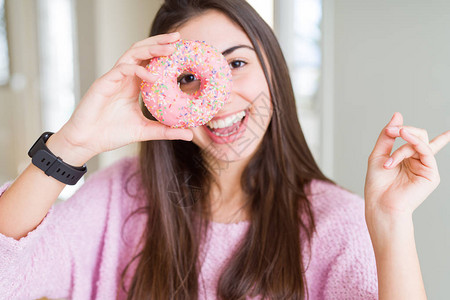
(216, 29)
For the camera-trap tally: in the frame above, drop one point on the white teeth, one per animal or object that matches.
(226, 134)
(230, 120)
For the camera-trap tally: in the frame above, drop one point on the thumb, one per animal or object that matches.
(157, 131)
(385, 143)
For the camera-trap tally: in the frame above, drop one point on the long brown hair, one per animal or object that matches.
(268, 262)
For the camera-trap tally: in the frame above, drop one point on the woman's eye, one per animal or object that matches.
(187, 79)
(188, 83)
(237, 64)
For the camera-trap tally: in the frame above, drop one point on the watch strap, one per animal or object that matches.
(52, 165)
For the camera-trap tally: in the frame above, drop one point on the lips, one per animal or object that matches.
(220, 133)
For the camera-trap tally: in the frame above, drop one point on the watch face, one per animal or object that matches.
(46, 136)
(39, 142)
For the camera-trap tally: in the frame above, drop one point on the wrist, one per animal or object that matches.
(71, 154)
(398, 267)
(386, 230)
(387, 223)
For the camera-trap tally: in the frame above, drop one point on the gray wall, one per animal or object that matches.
(394, 55)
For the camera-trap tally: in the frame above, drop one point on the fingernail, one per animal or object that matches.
(388, 163)
(176, 33)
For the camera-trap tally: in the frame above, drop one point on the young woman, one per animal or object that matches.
(203, 216)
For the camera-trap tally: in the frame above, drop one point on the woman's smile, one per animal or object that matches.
(227, 129)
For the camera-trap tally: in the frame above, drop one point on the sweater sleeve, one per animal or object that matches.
(67, 242)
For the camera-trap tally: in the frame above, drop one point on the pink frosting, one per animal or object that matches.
(174, 108)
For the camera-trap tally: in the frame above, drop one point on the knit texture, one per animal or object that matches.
(80, 248)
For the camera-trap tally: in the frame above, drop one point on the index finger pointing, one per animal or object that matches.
(385, 143)
(440, 141)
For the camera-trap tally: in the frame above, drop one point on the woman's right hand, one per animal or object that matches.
(109, 115)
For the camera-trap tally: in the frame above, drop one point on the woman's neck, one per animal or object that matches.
(228, 201)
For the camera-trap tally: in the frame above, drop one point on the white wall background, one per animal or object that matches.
(19, 100)
(393, 55)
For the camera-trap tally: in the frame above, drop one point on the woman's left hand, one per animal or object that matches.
(397, 184)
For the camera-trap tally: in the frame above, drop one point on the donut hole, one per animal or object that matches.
(189, 83)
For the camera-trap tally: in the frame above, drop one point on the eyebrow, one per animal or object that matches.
(229, 50)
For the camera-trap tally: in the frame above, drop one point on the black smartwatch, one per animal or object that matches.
(52, 165)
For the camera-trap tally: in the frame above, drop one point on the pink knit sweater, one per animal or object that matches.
(78, 252)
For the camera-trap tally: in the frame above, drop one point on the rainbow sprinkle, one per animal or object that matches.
(174, 108)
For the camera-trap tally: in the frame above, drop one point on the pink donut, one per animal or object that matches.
(171, 106)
